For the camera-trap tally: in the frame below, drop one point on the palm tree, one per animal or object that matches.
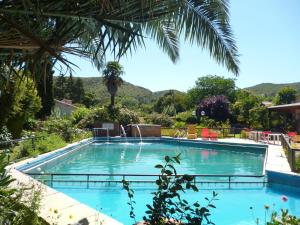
(112, 79)
(31, 31)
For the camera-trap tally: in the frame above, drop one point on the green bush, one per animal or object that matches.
(44, 142)
(96, 115)
(79, 114)
(160, 119)
(179, 124)
(15, 208)
(126, 116)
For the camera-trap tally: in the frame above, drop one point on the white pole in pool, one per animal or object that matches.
(124, 133)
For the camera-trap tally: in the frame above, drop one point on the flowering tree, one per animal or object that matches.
(214, 107)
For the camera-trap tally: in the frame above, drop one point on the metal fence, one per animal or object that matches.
(89, 179)
(222, 131)
(8, 144)
(293, 154)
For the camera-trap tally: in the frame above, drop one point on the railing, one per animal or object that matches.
(292, 157)
(10, 143)
(51, 178)
(223, 132)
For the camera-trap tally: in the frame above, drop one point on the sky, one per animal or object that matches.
(267, 33)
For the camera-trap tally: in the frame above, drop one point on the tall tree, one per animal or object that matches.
(209, 86)
(78, 91)
(112, 79)
(60, 87)
(45, 89)
(286, 95)
(214, 107)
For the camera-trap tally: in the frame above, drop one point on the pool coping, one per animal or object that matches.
(69, 210)
(67, 206)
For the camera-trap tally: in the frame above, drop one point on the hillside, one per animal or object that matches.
(143, 95)
(271, 89)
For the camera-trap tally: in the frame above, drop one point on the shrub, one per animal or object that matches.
(44, 142)
(95, 115)
(214, 107)
(126, 116)
(187, 117)
(179, 124)
(160, 119)
(79, 114)
(15, 208)
(31, 124)
(168, 207)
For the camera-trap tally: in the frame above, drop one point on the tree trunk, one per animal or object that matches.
(112, 100)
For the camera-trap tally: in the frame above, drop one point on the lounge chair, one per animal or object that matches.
(292, 134)
(213, 135)
(296, 138)
(205, 133)
(191, 132)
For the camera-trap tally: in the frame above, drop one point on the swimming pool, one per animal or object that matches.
(196, 158)
(133, 157)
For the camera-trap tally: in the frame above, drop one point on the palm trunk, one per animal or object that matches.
(112, 100)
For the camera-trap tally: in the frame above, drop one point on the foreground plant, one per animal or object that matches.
(15, 209)
(168, 208)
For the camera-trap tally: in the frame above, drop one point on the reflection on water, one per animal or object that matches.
(141, 158)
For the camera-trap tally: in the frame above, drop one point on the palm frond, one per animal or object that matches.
(30, 30)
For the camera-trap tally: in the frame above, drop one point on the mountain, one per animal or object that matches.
(143, 95)
(271, 89)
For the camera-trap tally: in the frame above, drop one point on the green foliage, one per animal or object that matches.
(161, 119)
(90, 100)
(112, 79)
(79, 114)
(186, 117)
(286, 95)
(125, 116)
(71, 88)
(96, 115)
(44, 142)
(64, 128)
(209, 86)
(5, 135)
(179, 124)
(88, 118)
(19, 102)
(269, 89)
(168, 207)
(283, 219)
(129, 102)
(211, 123)
(259, 118)
(170, 103)
(15, 208)
(244, 103)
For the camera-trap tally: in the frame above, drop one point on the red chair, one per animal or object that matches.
(292, 134)
(205, 133)
(213, 135)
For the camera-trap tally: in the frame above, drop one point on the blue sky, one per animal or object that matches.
(267, 33)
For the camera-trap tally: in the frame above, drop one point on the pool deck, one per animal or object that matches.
(276, 159)
(70, 211)
(56, 207)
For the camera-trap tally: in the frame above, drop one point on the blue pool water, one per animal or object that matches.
(135, 158)
(232, 207)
